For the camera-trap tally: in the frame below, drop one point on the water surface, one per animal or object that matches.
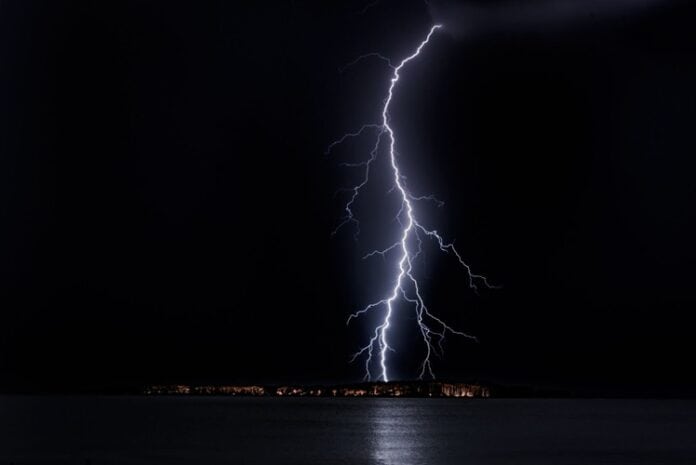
(216, 430)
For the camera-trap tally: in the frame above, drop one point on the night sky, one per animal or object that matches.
(167, 206)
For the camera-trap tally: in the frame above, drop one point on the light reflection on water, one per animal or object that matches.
(397, 436)
(177, 431)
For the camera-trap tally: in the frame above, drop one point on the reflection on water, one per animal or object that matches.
(396, 433)
(300, 431)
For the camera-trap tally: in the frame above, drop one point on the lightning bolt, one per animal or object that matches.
(405, 284)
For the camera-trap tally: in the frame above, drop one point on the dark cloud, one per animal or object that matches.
(473, 18)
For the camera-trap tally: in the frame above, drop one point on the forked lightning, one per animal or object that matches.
(405, 286)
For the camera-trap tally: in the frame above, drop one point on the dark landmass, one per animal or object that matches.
(392, 389)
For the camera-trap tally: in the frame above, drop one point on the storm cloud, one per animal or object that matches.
(474, 18)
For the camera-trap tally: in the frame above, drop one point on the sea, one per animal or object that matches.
(394, 431)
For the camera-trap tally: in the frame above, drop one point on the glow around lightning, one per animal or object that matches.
(405, 285)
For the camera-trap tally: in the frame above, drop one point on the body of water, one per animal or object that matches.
(216, 430)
